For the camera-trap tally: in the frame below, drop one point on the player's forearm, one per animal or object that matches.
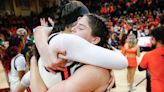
(37, 84)
(45, 51)
(41, 36)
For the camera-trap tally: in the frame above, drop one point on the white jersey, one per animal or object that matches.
(51, 79)
(25, 81)
(18, 63)
(48, 78)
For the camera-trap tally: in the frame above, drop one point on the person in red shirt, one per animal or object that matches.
(153, 61)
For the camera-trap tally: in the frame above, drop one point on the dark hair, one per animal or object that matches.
(15, 40)
(100, 28)
(69, 13)
(12, 51)
(14, 45)
(158, 34)
(72, 11)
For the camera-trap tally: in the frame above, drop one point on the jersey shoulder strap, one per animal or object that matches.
(15, 60)
(51, 36)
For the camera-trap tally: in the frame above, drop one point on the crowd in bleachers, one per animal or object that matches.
(128, 15)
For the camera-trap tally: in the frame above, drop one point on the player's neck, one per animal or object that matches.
(159, 45)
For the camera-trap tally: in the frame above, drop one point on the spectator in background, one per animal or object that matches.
(18, 62)
(153, 61)
(3, 45)
(23, 32)
(28, 40)
(131, 51)
(4, 84)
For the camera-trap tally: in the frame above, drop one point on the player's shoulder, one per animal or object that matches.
(150, 53)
